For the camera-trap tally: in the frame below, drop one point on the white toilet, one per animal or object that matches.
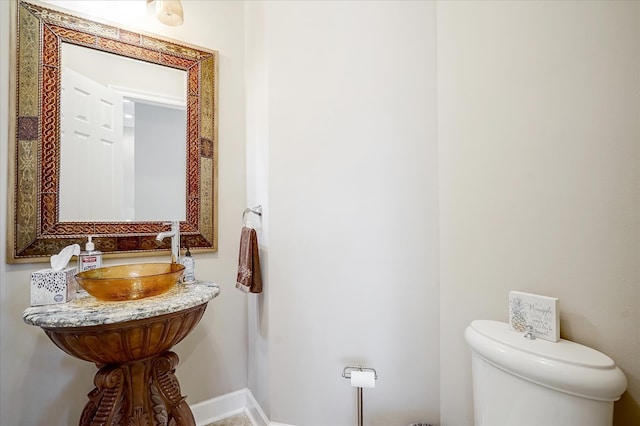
(522, 382)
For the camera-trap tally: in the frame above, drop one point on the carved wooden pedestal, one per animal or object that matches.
(138, 393)
(136, 384)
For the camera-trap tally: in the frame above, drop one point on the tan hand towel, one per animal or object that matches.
(249, 279)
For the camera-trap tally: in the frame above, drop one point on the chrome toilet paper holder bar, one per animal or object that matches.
(346, 373)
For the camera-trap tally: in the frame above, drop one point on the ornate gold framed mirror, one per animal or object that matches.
(35, 229)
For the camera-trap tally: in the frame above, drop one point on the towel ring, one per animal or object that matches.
(257, 210)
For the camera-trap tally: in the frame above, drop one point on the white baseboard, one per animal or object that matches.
(218, 408)
(230, 404)
(255, 412)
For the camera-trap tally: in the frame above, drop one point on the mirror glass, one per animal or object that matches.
(157, 87)
(122, 138)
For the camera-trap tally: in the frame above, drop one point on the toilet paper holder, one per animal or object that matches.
(346, 373)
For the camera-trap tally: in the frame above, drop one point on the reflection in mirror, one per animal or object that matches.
(123, 138)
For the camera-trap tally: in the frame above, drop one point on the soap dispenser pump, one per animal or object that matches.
(89, 258)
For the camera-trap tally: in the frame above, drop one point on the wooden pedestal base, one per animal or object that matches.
(141, 393)
(136, 384)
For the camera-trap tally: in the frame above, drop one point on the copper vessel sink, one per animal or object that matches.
(130, 282)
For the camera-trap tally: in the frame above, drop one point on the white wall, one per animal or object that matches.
(144, 78)
(352, 175)
(39, 384)
(257, 86)
(538, 107)
(160, 158)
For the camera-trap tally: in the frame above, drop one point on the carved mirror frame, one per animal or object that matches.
(35, 232)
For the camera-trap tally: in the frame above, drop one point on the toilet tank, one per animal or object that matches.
(521, 382)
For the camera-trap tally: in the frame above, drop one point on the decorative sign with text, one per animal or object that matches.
(539, 312)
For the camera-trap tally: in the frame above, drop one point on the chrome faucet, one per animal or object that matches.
(175, 239)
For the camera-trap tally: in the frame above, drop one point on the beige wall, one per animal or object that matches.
(352, 219)
(538, 106)
(39, 384)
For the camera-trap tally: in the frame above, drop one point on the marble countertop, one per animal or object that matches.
(87, 311)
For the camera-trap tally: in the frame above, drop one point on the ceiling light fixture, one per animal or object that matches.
(169, 12)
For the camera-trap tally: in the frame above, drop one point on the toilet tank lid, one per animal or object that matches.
(563, 350)
(564, 366)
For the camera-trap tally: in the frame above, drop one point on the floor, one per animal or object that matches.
(238, 420)
(243, 420)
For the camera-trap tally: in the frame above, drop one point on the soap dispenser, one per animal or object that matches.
(189, 267)
(89, 258)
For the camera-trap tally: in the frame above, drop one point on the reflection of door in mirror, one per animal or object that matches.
(91, 154)
(123, 139)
